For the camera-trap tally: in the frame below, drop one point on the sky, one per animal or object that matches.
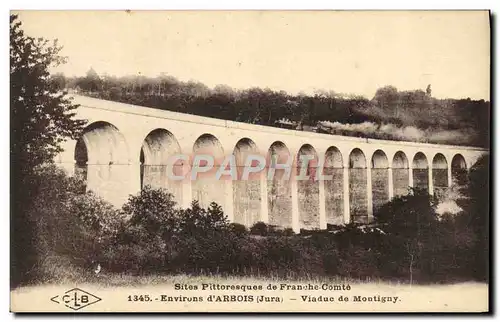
(340, 51)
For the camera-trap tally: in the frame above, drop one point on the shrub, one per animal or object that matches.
(477, 212)
(408, 215)
(420, 245)
(153, 212)
(259, 228)
(73, 229)
(63, 225)
(238, 229)
(143, 242)
(207, 240)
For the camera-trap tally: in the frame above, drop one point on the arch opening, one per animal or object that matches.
(308, 190)
(420, 171)
(206, 188)
(279, 188)
(334, 188)
(400, 174)
(103, 143)
(379, 160)
(357, 159)
(244, 148)
(81, 159)
(357, 187)
(156, 166)
(102, 161)
(439, 174)
(380, 179)
(459, 170)
(246, 193)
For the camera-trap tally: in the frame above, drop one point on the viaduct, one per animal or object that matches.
(125, 147)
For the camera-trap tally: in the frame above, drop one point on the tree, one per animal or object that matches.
(477, 208)
(428, 90)
(42, 117)
(153, 211)
(386, 97)
(412, 223)
(59, 81)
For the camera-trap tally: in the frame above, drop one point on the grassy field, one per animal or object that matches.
(181, 293)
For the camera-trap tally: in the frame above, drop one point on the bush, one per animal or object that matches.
(408, 215)
(208, 241)
(72, 229)
(63, 225)
(476, 216)
(238, 229)
(259, 228)
(420, 245)
(153, 212)
(408, 240)
(143, 243)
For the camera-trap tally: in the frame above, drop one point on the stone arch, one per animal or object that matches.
(279, 188)
(459, 170)
(439, 161)
(308, 189)
(158, 146)
(243, 148)
(103, 144)
(246, 193)
(380, 178)
(420, 171)
(420, 161)
(102, 160)
(81, 157)
(334, 188)
(333, 158)
(307, 149)
(379, 160)
(156, 164)
(439, 174)
(458, 162)
(357, 186)
(400, 161)
(207, 188)
(400, 174)
(278, 152)
(209, 144)
(357, 159)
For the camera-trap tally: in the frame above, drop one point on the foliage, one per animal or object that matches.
(425, 246)
(477, 213)
(62, 222)
(401, 112)
(259, 228)
(152, 211)
(41, 115)
(408, 215)
(408, 242)
(206, 238)
(151, 234)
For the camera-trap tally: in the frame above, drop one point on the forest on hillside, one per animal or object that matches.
(390, 114)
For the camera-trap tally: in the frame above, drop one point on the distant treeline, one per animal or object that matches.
(390, 114)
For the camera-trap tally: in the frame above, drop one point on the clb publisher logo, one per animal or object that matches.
(76, 299)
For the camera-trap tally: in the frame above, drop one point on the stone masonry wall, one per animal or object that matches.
(401, 183)
(380, 187)
(308, 197)
(334, 192)
(357, 195)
